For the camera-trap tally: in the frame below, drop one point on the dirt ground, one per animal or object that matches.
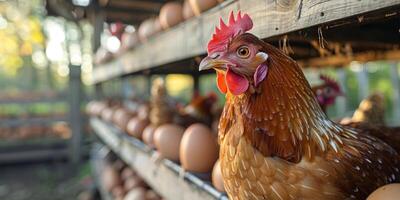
(45, 181)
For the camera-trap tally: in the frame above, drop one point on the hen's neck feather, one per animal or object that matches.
(284, 118)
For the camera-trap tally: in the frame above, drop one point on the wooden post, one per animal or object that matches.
(126, 88)
(196, 82)
(148, 78)
(394, 73)
(75, 117)
(98, 91)
(342, 101)
(363, 85)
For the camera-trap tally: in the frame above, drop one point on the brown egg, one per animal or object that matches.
(122, 116)
(118, 191)
(148, 28)
(102, 55)
(187, 11)
(126, 173)
(136, 194)
(199, 6)
(171, 15)
(89, 107)
(107, 114)
(148, 136)
(387, 192)
(136, 126)
(167, 139)
(129, 40)
(133, 182)
(143, 111)
(151, 195)
(198, 150)
(110, 178)
(98, 108)
(217, 180)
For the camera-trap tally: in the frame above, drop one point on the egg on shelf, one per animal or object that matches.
(198, 149)
(167, 139)
(143, 111)
(102, 55)
(128, 40)
(187, 11)
(110, 178)
(126, 173)
(199, 6)
(148, 28)
(148, 135)
(171, 14)
(216, 177)
(151, 195)
(387, 192)
(136, 194)
(98, 108)
(122, 116)
(136, 126)
(118, 192)
(107, 114)
(133, 182)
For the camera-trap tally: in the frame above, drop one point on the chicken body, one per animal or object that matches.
(276, 142)
(353, 171)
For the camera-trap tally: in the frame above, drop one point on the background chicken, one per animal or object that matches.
(370, 111)
(198, 110)
(276, 142)
(327, 92)
(370, 118)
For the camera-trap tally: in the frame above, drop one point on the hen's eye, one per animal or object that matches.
(243, 52)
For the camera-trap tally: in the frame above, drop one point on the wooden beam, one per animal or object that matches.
(271, 18)
(139, 5)
(342, 60)
(128, 18)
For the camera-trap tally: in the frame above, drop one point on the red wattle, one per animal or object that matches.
(237, 84)
(221, 82)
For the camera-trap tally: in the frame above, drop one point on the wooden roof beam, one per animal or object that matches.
(342, 60)
(147, 5)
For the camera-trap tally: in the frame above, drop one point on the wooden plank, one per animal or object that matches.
(343, 60)
(271, 18)
(30, 121)
(33, 101)
(33, 155)
(159, 175)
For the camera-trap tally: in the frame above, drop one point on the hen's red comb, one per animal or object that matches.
(224, 33)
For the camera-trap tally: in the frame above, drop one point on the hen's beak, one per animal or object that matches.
(209, 63)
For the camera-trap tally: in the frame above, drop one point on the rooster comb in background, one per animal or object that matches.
(225, 32)
(330, 81)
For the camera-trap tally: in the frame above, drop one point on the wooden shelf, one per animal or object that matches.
(33, 101)
(271, 18)
(32, 121)
(166, 178)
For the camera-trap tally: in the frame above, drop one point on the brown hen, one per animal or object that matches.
(370, 118)
(276, 142)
